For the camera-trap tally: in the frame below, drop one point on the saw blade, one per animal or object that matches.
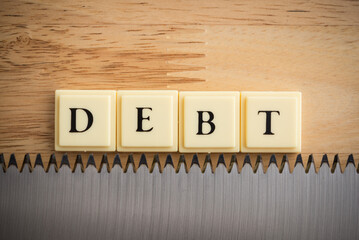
(36, 204)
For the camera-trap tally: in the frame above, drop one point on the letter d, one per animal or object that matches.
(73, 119)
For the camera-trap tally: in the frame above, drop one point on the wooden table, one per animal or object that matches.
(312, 47)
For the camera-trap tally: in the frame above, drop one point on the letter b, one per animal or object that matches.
(209, 121)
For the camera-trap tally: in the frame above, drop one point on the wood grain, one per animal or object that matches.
(186, 12)
(312, 47)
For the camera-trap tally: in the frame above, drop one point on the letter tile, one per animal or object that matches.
(209, 121)
(270, 121)
(147, 121)
(85, 120)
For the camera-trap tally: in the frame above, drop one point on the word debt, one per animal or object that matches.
(170, 121)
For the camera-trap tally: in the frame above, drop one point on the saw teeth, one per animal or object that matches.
(209, 159)
(104, 163)
(117, 161)
(194, 163)
(335, 163)
(284, 163)
(309, 163)
(143, 161)
(221, 161)
(2, 162)
(181, 161)
(169, 161)
(91, 161)
(129, 162)
(324, 160)
(350, 160)
(78, 164)
(156, 160)
(273, 160)
(247, 160)
(38, 161)
(299, 160)
(52, 163)
(195, 160)
(232, 163)
(26, 162)
(65, 161)
(257, 163)
(12, 161)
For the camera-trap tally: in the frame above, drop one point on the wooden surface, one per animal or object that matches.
(312, 47)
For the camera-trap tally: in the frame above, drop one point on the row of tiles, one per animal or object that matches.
(170, 121)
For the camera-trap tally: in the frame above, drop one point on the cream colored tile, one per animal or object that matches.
(271, 121)
(147, 121)
(209, 121)
(85, 120)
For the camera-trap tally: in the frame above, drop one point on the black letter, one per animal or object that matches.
(209, 121)
(73, 119)
(140, 118)
(268, 121)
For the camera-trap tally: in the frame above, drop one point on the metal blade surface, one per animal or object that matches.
(170, 205)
